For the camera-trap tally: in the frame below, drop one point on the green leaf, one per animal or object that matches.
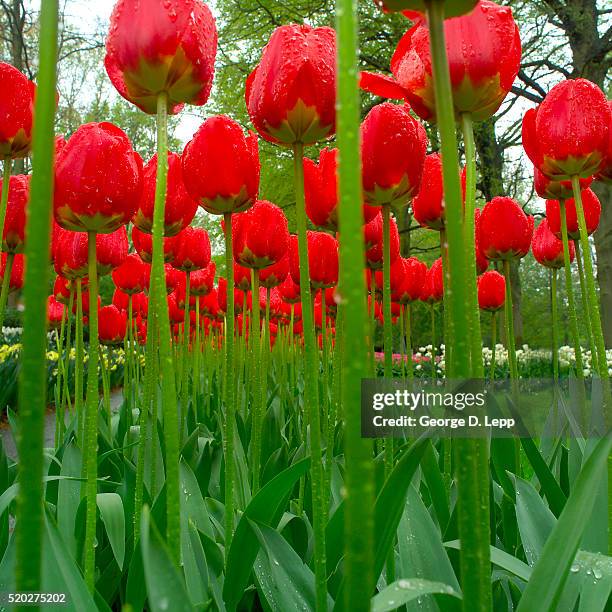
(421, 552)
(266, 507)
(551, 570)
(284, 580)
(113, 517)
(403, 591)
(389, 508)
(502, 559)
(597, 580)
(535, 520)
(550, 487)
(69, 496)
(165, 586)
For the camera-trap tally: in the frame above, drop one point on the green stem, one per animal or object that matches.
(160, 308)
(470, 250)
(6, 283)
(257, 381)
(78, 360)
(91, 417)
(510, 324)
(66, 390)
(593, 300)
(569, 289)
(311, 394)
(585, 305)
(359, 476)
(493, 345)
(32, 377)
(229, 386)
(6, 180)
(185, 354)
(555, 321)
(473, 517)
(387, 320)
(408, 332)
(434, 373)
(448, 328)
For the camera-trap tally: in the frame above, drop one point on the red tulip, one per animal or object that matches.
(289, 290)
(504, 230)
(433, 286)
(261, 235)
(428, 204)
(322, 259)
(129, 275)
(484, 56)
(172, 277)
(61, 289)
(374, 242)
(16, 109)
(592, 214)
(13, 236)
(55, 312)
(140, 305)
(143, 243)
(242, 277)
(568, 134)
(605, 173)
(548, 189)
(274, 275)
(321, 191)
(98, 180)
(85, 305)
(396, 278)
(202, 281)
(491, 291)
(291, 94)
(121, 299)
(70, 259)
(452, 8)
(547, 248)
(482, 263)
(180, 207)
(111, 250)
(393, 146)
(209, 304)
(176, 314)
(16, 280)
(112, 325)
(411, 286)
(395, 313)
(193, 250)
(222, 297)
(221, 166)
(161, 47)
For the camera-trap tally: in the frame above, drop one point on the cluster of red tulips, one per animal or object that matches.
(302, 291)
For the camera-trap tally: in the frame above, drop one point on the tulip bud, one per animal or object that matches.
(13, 236)
(393, 146)
(491, 291)
(98, 180)
(504, 230)
(260, 235)
(112, 325)
(192, 251)
(428, 204)
(221, 166)
(568, 134)
(291, 94)
(16, 110)
(158, 47)
(322, 259)
(180, 208)
(547, 248)
(592, 213)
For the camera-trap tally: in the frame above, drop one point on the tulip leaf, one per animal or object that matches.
(165, 586)
(113, 517)
(406, 590)
(553, 567)
(266, 507)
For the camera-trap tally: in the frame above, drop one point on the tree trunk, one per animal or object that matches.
(603, 248)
